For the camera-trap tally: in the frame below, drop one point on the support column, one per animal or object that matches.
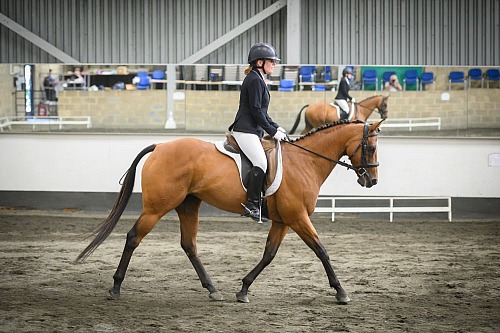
(293, 37)
(170, 124)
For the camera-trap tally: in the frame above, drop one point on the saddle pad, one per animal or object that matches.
(271, 185)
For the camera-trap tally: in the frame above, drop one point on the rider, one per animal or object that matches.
(252, 120)
(343, 93)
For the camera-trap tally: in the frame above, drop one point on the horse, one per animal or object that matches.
(182, 173)
(320, 113)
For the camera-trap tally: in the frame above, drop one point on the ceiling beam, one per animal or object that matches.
(36, 40)
(234, 33)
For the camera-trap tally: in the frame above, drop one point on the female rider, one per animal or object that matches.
(252, 120)
(343, 93)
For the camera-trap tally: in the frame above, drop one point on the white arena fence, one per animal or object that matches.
(389, 205)
(412, 123)
(34, 121)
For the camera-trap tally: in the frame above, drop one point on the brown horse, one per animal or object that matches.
(320, 113)
(180, 174)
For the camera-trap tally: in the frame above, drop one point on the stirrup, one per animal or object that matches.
(256, 214)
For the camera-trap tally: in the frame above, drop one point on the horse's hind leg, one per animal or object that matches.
(141, 228)
(276, 235)
(188, 213)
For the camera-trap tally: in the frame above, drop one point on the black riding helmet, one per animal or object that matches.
(262, 51)
(347, 70)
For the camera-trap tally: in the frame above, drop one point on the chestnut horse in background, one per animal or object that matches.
(320, 113)
(182, 173)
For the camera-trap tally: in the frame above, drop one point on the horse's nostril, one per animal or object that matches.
(374, 181)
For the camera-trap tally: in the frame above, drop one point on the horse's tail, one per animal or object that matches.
(297, 121)
(103, 230)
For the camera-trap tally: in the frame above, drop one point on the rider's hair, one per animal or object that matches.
(248, 69)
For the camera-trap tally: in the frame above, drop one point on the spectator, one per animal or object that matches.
(49, 83)
(393, 84)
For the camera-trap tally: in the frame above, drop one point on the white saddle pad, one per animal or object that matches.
(237, 159)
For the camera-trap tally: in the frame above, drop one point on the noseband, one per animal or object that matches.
(361, 170)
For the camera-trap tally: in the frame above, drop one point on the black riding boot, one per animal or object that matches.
(254, 190)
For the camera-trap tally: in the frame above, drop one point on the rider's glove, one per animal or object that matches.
(280, 136)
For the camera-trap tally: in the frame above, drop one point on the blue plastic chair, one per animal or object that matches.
(158, 75)
(386, 77)
(142, 74)
(475, 74)
(456, 77)
(286, 85)
(411, 77)
(328, 74)
(427, 78)
(492, 74)
(144, 82)
(369, 77)
(307, 73)
(319, 87)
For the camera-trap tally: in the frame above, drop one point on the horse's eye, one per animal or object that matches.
(371, 149)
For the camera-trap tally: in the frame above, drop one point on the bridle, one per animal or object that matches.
(361, 169)
(379, 111)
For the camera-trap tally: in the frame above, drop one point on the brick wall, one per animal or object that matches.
(214, 111)
(6, 92)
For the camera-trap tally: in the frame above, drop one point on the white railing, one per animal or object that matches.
(411, 123)
(44, 121)
(388, 207)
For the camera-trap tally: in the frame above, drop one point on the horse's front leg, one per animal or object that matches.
(308, 234)
(276, 235)
(188, 213)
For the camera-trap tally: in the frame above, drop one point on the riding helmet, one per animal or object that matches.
(262, 51)
(347, 70)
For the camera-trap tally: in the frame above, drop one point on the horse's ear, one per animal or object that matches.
(376, 126)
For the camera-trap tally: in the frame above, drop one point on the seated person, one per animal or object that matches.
(393, 84)
(77, 78)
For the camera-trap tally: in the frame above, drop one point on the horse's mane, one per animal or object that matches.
(371, 97)
(325, 126)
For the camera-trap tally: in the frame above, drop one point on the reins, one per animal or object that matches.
(361, 170)
(347, 165)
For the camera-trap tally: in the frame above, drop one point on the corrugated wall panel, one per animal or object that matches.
(366, 32)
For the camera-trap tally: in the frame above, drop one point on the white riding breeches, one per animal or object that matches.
(252, 147)
(343, 104)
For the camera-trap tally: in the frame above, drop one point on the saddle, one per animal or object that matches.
(341, 113)
(272, 150)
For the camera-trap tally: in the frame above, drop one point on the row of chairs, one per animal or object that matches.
(287, 78)
(144, 80)
(474, 74)
(411, 77)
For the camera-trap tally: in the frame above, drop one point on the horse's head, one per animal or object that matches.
(382, 107)
(363, 155)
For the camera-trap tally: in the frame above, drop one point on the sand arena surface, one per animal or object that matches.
(418, 276)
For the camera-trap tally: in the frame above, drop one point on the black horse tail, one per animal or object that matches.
(297, 121)
(104, 229)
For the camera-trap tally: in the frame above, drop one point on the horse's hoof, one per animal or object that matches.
(216, 296)
(242, 297)
(342, 299)
(113, 295)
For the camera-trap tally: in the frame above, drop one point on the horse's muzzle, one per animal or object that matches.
(366, 181)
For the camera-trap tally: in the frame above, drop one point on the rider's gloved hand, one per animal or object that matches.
(280, 136)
